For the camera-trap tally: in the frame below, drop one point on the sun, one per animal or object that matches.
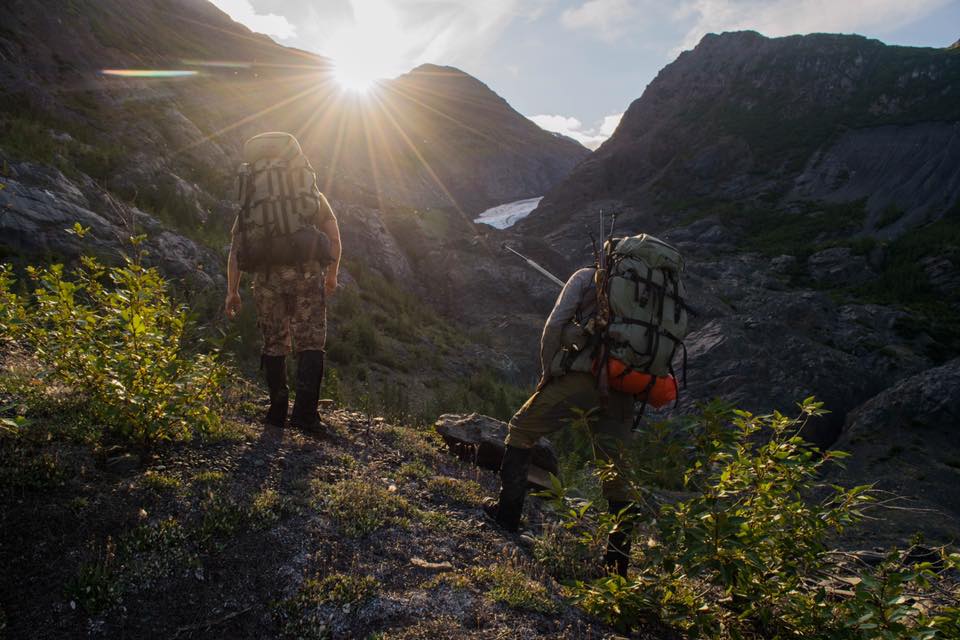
(368, 48)
(356, 74)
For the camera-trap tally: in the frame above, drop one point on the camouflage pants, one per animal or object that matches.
(290, 305)
(559, 401)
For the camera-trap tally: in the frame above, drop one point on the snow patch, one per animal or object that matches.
(506, 215)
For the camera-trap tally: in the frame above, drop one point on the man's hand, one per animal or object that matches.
(232, 305)
(330, 283)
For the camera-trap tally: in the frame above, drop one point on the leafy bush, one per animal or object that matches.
(744, 554)
(113, 336)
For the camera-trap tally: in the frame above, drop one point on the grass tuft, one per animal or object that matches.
(514, 588)
(465, 491)
(360, 507)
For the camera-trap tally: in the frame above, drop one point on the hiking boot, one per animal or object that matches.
(617, 558)
(275, 371)
(309, 376)
(507, 510)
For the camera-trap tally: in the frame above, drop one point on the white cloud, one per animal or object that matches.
(590, 137)
(607, 18)
(609, 124)
(269, 23)
(786, 17)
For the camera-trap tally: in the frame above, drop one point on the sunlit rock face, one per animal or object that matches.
(149, 103)
(174, 89)
(42, 205)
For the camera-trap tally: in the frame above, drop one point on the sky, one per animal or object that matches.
(571, 66)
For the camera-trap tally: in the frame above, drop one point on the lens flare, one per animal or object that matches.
(149, 73)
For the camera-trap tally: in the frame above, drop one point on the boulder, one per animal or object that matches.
(906, 441)
(943, 275)
(838, 266)
(479, 439)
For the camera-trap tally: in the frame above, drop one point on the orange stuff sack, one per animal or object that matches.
(663, 391)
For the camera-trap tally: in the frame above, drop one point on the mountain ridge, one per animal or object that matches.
(740, 116)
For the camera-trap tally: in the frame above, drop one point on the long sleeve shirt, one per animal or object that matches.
(578, 295)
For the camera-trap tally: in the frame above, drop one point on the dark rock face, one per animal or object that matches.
(905, 441)
(479, 439)
(913, 170)
(762, 345)
(838, 266)
(744, 117)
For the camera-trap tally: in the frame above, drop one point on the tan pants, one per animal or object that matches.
(559, 401)
(290, 305)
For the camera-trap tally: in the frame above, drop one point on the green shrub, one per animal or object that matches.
(566, 555)
(268, 508)
(12, 312)
(222, 518)
(415, 470)
(208, 479)
(340, 588)
(330, 388)
(743, 556)
(114, 336)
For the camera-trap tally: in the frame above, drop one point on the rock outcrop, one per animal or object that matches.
(40, 206)
(763, 344)
(479, 439)
(904, 441)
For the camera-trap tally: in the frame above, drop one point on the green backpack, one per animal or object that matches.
(648, 316)
(280, 206)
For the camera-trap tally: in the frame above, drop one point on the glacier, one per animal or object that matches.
(506, 215)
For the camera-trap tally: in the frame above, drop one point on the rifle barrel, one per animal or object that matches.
(536, 266)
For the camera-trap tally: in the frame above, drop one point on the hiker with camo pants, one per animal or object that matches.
(287, 235)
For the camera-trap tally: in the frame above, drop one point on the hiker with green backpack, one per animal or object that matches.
(287, 236)
(609, 342)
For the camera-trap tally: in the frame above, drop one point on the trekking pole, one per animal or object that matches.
(603, 317)
(554, 279)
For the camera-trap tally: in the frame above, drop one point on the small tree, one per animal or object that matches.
(114, 336)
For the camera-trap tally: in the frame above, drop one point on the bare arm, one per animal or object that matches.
(332, 229)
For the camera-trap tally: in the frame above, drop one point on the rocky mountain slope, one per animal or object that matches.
(435, 137)
(407, 166)
(813, 184)
(810, 181)
(742, 118)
